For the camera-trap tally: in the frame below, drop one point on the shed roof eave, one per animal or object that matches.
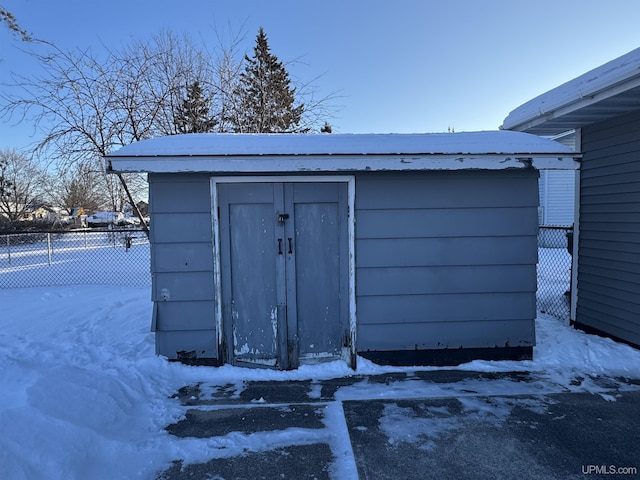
(461, 143)
(339, 163)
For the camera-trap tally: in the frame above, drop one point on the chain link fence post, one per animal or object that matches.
(48, 248)
(8, 249)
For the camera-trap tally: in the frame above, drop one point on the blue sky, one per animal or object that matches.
(396, 66)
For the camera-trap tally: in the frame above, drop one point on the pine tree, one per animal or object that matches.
(193, 115)
(266, 98)
(326, 128)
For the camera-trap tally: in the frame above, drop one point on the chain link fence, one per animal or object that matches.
(122, 257)
(555, 246)
(79, 257)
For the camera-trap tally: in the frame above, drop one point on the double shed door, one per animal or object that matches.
(284, 269)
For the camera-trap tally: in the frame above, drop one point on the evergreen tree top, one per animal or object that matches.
(193, 116)
(267, 100)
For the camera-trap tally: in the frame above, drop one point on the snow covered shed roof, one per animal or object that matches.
(272, 153)
(604, 92)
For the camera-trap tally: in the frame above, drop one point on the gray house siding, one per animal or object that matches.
(182, 264)
(609, 242)
(446, 260)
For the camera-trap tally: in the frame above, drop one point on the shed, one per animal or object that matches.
(603, 107)
(279, 250)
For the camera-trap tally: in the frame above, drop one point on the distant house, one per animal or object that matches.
(280, 250)
(557, 198)
(41, 212)
(77, 218)
(33, 212)
(603, 108)
(557, 191)
(556, 213)
(77, 212)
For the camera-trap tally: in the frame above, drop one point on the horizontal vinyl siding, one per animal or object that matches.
(443, 251)
(446, 190)
(604, 256)
(427, 336)
(608, 291)
(177, 315)
(446, 259)
(182, 227)
(391, 281)
(434, 308)
(557, 197)
(179, 193)
(183, 257)
(608, 324)
(445, 222)
(609, 243)
(182, 264)
(623, 278)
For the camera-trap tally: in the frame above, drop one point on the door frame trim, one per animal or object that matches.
(215, 234)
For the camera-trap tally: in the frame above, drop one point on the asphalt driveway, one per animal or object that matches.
(437, 424)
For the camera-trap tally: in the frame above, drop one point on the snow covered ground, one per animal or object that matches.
(82, 394)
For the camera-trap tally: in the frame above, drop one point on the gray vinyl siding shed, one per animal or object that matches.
(603, 107)
(278, 250)
(182, 264)
(443, 263)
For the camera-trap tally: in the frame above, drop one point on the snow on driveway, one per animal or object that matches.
(83, 395)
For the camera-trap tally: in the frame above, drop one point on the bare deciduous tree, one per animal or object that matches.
(152, 78)
(89, 102)
(23, 184)
(78, 187)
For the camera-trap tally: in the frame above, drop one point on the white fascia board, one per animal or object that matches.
(556, 163)
(338, 163)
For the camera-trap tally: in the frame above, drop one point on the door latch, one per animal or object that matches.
(282, 217)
